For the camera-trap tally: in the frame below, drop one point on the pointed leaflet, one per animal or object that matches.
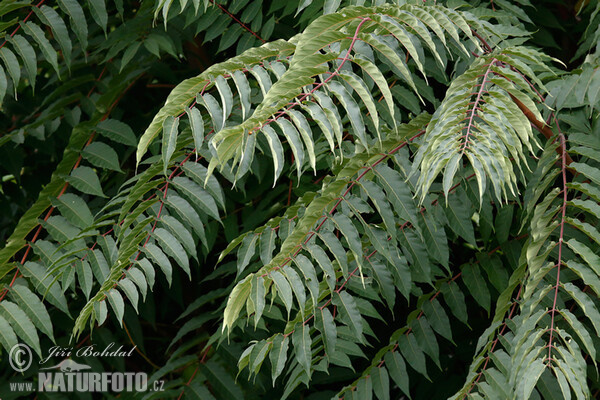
(302, 342)
(310, 276)
(28, 56)
(585, 303)
(78, 21)
(276, 150)
(243, 87)
(169, 140)
(398, 193)
(180, 232)
(8, 338)
(459, 215)
(386, 283)
(47, 50)
(412, 353)
(45, 285)
(267, 245)
(381, 382)
(379, 199)
(291, 134)
(59, 30)
(128, 54)
(397, 369)
(214, 109)
(235, 302)
(3, 86)
(325, 324)
(455, 299)
(297, 287)
(21, 324)
(336, 248)
(197, 126)
(74, 209)
(477, 285)
(173, 248)
(345, 225)
(137, 276)
(437, 318)
(426, 338)
(226, 95)
(318, 116)
(116, 302)
(12, 65)
(148, 269)
(199, 197)
(33, 307)
(86, 181)
(324, 262)
(130, 290)
(350, 314)
(199, 174)
(101, 155)
(352, 111)
(98, 9)
(435, 237)
(156, 254)
(278, 355)
(245, 252)
(283, 289)
(258, 298)
(365, 95)
(304, 128)
(100, 311)
(99, 265)
(117, 131)
(263, 78)
(85, 277)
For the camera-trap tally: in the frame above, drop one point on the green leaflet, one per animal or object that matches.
(381, 383)
(276, 150)
(156, 254)
(45, 285)
(21, 324)
(246, 252)
(117, 131)
(200, 198)
(78, 22)
(169, 140)
(8, 338)
(27, 53)
(85, 180)
(12, 65)
(235, 303)
(116, 302)
(293, 138)
(173, 248)
(197, 126)
(47, 50)
(397, 370)
(350, 314)
(74, 209)
(98, 10)
(102, 155)
(412, 353)
(284, 290)
(324, 322)
(302, 344)
(33, 308)
(59, 30)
